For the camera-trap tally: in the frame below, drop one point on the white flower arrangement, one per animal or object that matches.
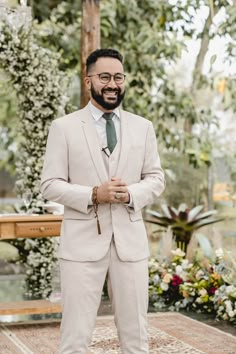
(225, 303)
(40, 87)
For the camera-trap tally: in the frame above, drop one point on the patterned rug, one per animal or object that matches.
(169, 333)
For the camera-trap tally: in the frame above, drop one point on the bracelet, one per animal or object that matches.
(95, 207)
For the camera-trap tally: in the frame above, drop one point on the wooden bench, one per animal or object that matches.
(29, 226)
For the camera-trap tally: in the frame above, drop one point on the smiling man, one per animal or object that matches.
(102, 164)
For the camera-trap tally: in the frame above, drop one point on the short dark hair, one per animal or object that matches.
(102, 53)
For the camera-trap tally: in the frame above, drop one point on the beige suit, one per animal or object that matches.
(73, 164)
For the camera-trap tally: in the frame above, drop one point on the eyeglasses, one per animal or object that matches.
(105, 78)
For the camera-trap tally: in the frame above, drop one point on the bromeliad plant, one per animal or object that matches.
(183, 221)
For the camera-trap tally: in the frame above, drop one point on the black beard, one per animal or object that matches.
(104, 104)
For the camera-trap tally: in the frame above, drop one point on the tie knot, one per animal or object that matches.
(108, 116)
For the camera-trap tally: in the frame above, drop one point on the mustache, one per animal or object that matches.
(109, 89)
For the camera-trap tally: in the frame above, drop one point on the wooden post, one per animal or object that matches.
(90, 40)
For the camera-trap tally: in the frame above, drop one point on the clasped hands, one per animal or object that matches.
(113, 191)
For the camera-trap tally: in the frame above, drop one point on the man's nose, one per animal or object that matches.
(112, 82)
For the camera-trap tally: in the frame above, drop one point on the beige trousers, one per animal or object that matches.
(82, 284)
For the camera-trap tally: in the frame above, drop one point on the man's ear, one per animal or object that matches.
(87, 83)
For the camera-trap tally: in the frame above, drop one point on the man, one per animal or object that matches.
(104, 169)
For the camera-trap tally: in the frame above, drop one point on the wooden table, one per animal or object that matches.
(29, 226)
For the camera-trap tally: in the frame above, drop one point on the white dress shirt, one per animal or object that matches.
(100, 125)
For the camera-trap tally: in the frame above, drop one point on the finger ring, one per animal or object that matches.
(117, 195)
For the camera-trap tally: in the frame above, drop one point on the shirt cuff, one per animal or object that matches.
(90, 198)
(130, 204)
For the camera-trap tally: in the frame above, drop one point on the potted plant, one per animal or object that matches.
(183, 221)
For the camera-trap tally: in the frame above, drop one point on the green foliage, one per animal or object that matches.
(42, 9)
(141, 35)
(60, 32)
(8, 124)
(183, 182)
(151, 35)
(40, 89)
(147, 32)
(8, 252)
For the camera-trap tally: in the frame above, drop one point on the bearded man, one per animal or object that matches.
(102, 164)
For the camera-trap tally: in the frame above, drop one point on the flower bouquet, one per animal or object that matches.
(199, 290)
(201, 286)
(165, 279)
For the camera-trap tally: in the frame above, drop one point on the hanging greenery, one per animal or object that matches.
(40, 87)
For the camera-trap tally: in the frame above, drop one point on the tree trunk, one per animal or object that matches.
(90, 40)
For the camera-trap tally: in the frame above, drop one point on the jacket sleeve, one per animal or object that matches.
(55, 184)
(152, 182)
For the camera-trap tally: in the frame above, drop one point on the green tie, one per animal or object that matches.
(111, 131)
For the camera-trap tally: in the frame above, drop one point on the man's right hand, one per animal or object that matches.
(107, 191)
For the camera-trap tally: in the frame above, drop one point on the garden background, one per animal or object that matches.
(180, 64)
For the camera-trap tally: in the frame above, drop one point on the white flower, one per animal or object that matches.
(164, 286)
(228, 305)
(230, 289)
(219, 252)
(202, 292)
(178, 269)
(178, 252)
(199, 274)
(156, 279)
(185, 264)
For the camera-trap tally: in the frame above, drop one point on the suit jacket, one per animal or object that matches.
(74, 163)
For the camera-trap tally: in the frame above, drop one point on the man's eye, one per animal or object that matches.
(105, 77)
(118, 77)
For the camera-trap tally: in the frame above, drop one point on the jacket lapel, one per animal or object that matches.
(93, 144)
(124, 143)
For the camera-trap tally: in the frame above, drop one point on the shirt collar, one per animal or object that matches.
(97, 113)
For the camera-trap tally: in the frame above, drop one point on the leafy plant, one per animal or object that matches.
(183, 221)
